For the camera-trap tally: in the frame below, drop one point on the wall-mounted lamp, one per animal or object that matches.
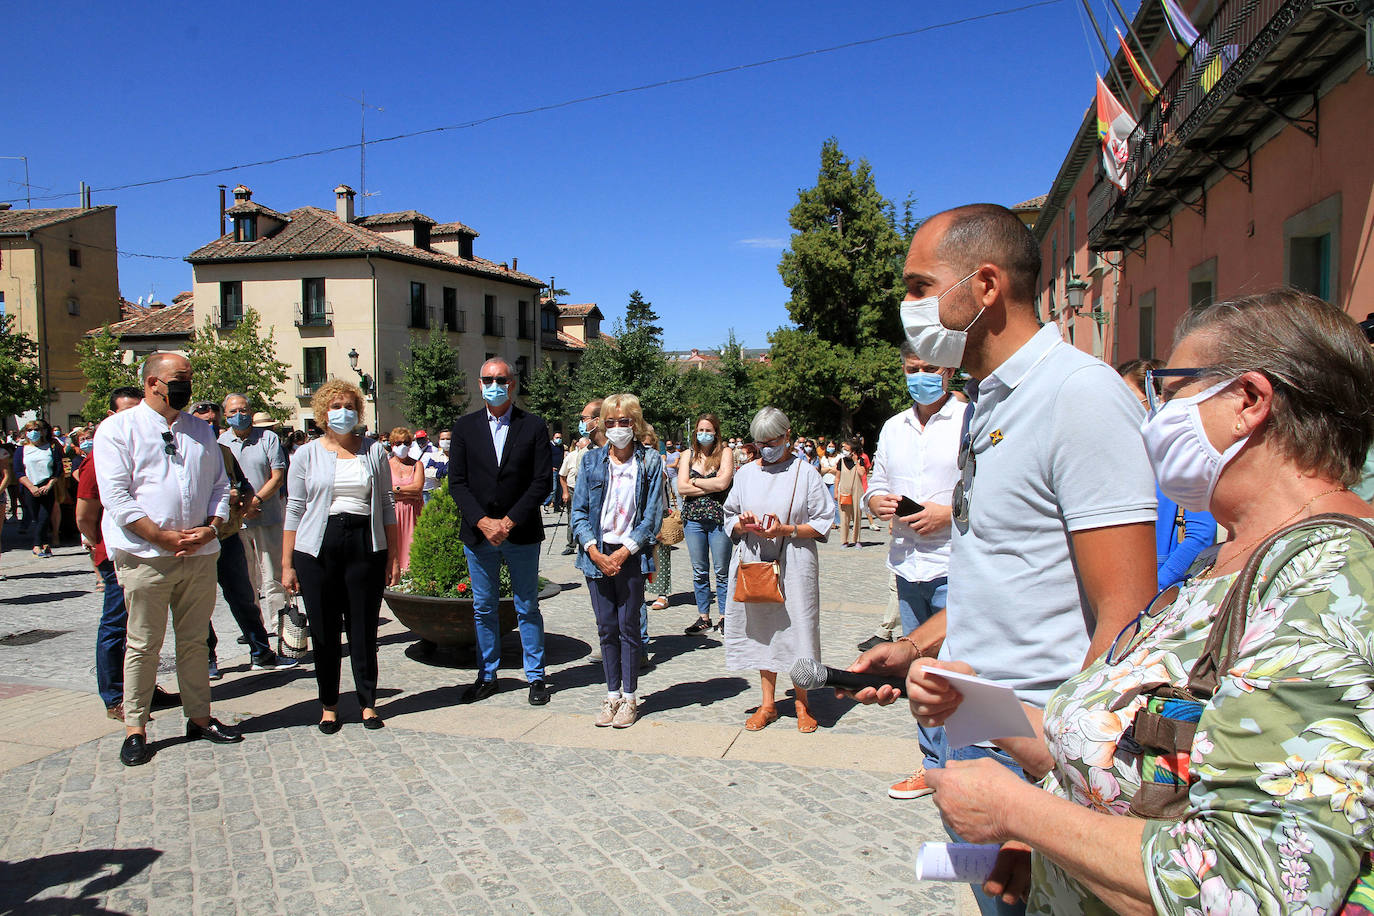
(364, 380)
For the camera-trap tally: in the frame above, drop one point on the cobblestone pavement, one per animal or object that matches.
(497, 807)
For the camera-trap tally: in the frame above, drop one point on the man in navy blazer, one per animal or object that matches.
(498, 473)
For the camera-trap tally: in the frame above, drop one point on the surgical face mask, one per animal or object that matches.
(847, 452)
(35, 436)
(772, 453)
(400, 450)
(809, 450)
(584, 428)
(705, 438)
(87, 445)
(925, 387)
(933, 342)
(415, 451)
(1185, 462)
(178, 393)
(443, 445)
(343, 419)
(557, 440)
(495, 394)
(240, 420)
(830, 449)
(620, 436)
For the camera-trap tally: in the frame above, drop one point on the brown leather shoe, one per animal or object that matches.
(806, 723)
(760, 720)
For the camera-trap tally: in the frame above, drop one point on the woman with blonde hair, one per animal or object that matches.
(616, 512)
(704, 474)
(339, 549)
(407, 488)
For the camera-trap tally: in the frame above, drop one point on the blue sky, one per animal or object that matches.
(681, 192)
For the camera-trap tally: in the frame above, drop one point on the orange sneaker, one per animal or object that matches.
(914, 786)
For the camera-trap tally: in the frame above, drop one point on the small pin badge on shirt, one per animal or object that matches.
(995, 436)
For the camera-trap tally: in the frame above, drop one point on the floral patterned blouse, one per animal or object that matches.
(1279, 817)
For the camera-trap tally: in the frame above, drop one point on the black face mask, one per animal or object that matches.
(178, 394)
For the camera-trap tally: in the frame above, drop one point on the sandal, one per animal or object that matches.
(660, 604)
(806, 723)
(760, 720)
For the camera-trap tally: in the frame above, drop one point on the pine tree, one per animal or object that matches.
(433, 387)
(437, 562)
(640, 316)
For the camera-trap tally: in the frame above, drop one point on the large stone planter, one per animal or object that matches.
(448, 621)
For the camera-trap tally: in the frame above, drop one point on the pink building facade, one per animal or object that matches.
(1254, 167)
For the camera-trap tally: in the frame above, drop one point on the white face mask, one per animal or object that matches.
(620, 436)
(400, 451)
(933, 342)
(1185, 462)
(443, 445)
(416, 451)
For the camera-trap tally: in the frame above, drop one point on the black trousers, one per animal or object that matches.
(342, 589)
(38, 513)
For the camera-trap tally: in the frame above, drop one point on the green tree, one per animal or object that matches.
(640, 316)
(739, 395)
(238, 360)
(634, 363)
(433, 387)
(550, 394)
(102, 363)
(437, 562)
(800, 379)
(23, 389)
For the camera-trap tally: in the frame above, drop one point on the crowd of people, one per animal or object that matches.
(1053, 529)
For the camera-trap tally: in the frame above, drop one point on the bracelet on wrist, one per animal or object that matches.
(920, 653)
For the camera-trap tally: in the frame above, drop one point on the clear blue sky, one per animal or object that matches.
(681, 192)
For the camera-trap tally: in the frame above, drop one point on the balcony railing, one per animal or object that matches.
(229, 318)
(421, 317)
(527, 329)
(306, 385)
(316, 314)
(494, 325)
(457, 321)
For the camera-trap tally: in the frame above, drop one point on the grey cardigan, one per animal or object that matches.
(310, 485)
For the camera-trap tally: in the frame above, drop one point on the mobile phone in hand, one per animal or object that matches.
(908, 506)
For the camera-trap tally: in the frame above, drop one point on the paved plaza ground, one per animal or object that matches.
(496, 807)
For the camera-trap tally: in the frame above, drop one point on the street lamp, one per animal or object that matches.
(364, 380)
(1073, 292)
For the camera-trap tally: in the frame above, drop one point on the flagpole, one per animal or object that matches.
(1144, 51)
(1111, 69)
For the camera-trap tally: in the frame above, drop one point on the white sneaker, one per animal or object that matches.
(627, 714)
(610, 709)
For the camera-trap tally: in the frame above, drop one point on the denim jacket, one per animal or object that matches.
(591, 489)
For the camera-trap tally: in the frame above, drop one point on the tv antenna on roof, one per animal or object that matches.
(362, 151)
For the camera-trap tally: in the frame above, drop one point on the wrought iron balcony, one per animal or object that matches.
(1256, 61)
(494, 325)
(456, 321)
(526, 329)
(229, 318)
(318, 313)
(306, 385)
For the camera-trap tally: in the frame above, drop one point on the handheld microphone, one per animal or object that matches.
(809, 674)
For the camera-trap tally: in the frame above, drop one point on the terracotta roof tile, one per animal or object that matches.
(579, 310)
(129, 309)
(249, 208)
(453, 228)
(1035, 203)
(313, 232)
(168, 321)
(394, 218)
(17, 222)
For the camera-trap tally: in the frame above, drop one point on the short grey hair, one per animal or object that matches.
(509, 373)
(234, 394)
(769, 423)
(907, 350)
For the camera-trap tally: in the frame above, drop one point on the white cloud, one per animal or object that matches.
(765, 243)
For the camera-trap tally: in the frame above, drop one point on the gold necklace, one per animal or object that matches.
(1244, 551)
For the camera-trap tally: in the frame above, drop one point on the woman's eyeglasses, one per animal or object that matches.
(968, 464)
(1154, 394)
(613, 422)
(1130, 637)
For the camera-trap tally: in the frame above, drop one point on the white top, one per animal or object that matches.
(499, 426)
(618, 503)
(138, 479)
(920, 461)
(1057, 449)
(430, 465)
(38, 463)
(352, 489)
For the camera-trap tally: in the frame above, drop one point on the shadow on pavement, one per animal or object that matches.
(825, 706)
(44, 597)
(55, 574)
(666, 648)
(21, 881)
(261, 680)
(558, 650)
(693, 693)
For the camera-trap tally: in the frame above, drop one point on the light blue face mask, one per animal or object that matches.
(583, 429)
(706, 438)
(925, 387)
(35, 436)
(343, 419)
(495, 394)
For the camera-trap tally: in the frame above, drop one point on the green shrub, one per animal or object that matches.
(437, 563)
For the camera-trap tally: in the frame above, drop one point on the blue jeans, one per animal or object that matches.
(938, 753)
(484, 564)
(231, 568)
(618, 603)
(708, 545)
(109, 638)
(831, 488)
(917, 602)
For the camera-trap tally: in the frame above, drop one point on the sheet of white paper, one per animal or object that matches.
(968, 862)
(989, 710)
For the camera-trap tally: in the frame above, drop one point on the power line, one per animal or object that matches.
(552, 106)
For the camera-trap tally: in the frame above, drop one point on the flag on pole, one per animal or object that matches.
(1185, 33)
(1114, 128)
(1150, 88)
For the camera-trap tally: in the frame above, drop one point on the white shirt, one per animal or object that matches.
(618, 503)
(352, 489)
(919, 461)
(138, 479)
(499, 426)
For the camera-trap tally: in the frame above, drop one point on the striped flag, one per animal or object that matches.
(1114, 128)
(1150, 88)
(1185, 33)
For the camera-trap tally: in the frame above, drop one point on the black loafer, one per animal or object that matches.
(216, 731)
(374, 722)
(332, 727)
(539, 693)
(165, 699)
(480, 690)
(872, 641)
(134, 751)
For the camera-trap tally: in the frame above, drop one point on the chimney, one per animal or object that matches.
(4, 206)
(514, 263)
(343, 203)
(242, 195)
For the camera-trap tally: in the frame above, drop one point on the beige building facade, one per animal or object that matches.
(59, 277)
(339, 289)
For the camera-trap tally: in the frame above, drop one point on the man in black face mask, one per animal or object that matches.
(164, 488)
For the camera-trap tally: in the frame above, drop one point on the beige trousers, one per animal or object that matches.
(892, 617)
(262, 544)
(152, 585)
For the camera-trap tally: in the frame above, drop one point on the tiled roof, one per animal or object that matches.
(169, 321)
(129, 309)
(580, 310)
(316, 233)
(182, 296)
(393, 219)
(453, 228)
(17, 222)
(1035, 203)
(248, 208)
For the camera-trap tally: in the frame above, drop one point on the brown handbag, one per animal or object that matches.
(671, 532)
(760, 582)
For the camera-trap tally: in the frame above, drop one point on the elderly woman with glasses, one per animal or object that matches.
(1232, 718)
(777, 510)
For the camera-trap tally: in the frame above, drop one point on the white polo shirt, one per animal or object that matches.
(918, 460)
(1057, 449)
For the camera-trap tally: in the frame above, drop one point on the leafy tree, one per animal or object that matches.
(739, 395)
(640, 316)
(634, 363)
(102, 363)
(433, 387)
(23, 388)
(800, 380)
(550, 395)
(238, 360)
